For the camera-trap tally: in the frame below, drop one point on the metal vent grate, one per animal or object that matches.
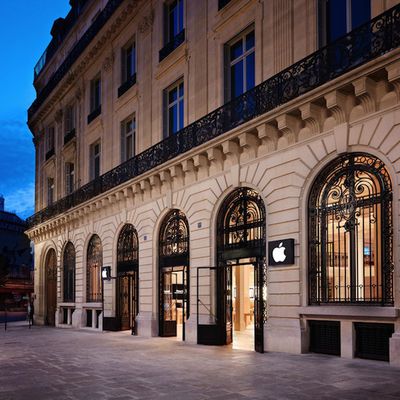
(325, 337)
(372, 340)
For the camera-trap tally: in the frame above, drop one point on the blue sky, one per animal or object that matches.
(24, 34)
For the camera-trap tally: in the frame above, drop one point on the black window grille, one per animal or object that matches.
(372, 340)
(325, 337)
(241, 222)
(351, 233)
(127, 248)
(69, 273)
(94, 264)
(174, 235)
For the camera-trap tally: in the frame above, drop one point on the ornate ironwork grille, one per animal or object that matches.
(127, 248)
(174, 235)
(94, 264)
(69, 273)
(174, 252)
(351, 233)
(241, 222)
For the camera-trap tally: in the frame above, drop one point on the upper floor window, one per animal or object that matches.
(95, 98)
(351, 232)
(50, 191)
(50, 142)
(128, 67)
(240, 65)
(174, 108)
(69, 119)
(174, 31)
(50, 138)
(128, 131)
(173, 19)
(128, 56)
(95, 155)
(338, 17)
(69, 177)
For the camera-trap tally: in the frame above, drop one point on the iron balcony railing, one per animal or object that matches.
(371, 40)
(74, 54)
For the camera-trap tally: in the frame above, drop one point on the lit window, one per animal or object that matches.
(240, 65)
(174, 99)
(128, 130)
(350, 233)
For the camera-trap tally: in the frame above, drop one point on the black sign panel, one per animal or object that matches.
(281, 252)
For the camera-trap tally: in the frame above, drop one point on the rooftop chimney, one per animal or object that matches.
(1, 202)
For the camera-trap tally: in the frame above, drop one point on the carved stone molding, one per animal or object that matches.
(108, 62)
(147, 22)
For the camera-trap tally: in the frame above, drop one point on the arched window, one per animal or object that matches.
(127, 248)
(241, 221)
(94, 264)
(174, 235)
(351, 232)
(69, 273)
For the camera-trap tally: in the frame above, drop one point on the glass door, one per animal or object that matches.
(173, 304)
(127, 307)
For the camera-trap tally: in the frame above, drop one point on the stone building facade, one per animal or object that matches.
(181, 142)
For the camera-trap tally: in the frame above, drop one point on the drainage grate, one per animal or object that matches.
(325, 337)
(372, 340)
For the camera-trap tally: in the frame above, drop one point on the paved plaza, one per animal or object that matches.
(48, 363)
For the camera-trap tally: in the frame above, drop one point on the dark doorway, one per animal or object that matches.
(51, 287)
(174, 285)
(127, 278)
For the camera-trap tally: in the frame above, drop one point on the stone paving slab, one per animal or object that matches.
(47, 363)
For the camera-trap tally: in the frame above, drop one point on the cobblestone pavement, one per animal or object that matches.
(48, 363)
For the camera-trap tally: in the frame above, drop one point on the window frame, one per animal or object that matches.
(125, 135)
(69, 177)
(93, 157)
(168, 106)
(168, 36)
(50, 190)
(95, 93)
(125, 77)
(229, 63)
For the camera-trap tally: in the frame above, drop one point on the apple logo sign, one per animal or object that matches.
(281, 252)
(278, 253)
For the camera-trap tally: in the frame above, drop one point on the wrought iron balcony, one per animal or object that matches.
(74, 54)
(94, 114)
(222, 3)
(172, 45)
(369, 41)
(69, 136)
(127, 85)
(49, 154)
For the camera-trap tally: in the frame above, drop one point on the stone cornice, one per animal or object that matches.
(271, 132)
(109, 31)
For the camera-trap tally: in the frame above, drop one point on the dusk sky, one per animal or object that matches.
(24, 34)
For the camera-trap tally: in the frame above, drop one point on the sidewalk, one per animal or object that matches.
(67, 364)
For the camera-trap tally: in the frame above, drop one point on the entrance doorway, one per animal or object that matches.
(127, 278)
(127, 290)
(174, 301)
(232, 310)
(174, 305)
(242, 309)
(51, 287)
